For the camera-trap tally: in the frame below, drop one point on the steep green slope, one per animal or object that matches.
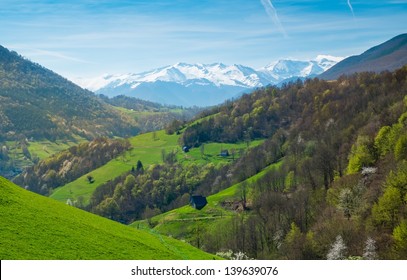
(35, 227)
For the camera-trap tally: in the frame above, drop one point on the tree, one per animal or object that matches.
(362, 154)
(398, 179)
(202, 150)
(385, 212)
(150, 213)
(383, 141)
(289, 182)
(400, 150)
(346, 202)
(293, 242)
(139, 167)
(129, 182)
(247, 136)
(233, 153)
(370, 249)
(243, 193)
(26, 152)
(108, 208)
(400, 240)
(350, 200)
(310, 250)
(90, 178)
(338, 249)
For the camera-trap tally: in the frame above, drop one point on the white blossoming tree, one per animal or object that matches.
(338, 249)
(370, 249)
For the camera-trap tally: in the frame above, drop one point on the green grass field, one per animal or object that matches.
(36, 227)
(38, 149)
(44, 149)
(148, 149)
(140, 114)
(211, 152)
(182, 223)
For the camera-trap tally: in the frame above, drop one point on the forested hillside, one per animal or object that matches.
(342, 183)
(37, 103)
(39, 106)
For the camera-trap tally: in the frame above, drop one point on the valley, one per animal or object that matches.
(287, 170)
(148, 149)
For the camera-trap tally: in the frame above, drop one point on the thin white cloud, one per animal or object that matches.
(34, 52)
(351, 8)
(272, 13)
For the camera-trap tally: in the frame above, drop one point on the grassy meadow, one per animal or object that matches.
(36, 227)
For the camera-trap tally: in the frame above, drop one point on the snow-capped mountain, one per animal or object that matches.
(286, 69)
(185, 74)
(203, 84)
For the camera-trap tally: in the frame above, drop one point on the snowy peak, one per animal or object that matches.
(217, 74)
(203, 84)
(285, 68)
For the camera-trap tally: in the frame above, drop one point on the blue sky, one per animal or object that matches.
(91, 37)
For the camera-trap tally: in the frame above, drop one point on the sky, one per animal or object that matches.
(89, 38)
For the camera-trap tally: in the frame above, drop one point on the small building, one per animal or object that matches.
(224, 153)
(198, 201)
(185, 149)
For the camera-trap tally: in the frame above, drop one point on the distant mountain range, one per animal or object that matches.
(203, 84)
(210, 84)
(390, 55)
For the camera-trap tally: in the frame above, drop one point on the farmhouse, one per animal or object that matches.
(198, 201)
(224, 153)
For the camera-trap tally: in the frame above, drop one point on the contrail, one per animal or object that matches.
(351, 8)
(272, 13)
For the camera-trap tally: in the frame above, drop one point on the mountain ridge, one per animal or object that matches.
(184, 83)
(389, 56)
